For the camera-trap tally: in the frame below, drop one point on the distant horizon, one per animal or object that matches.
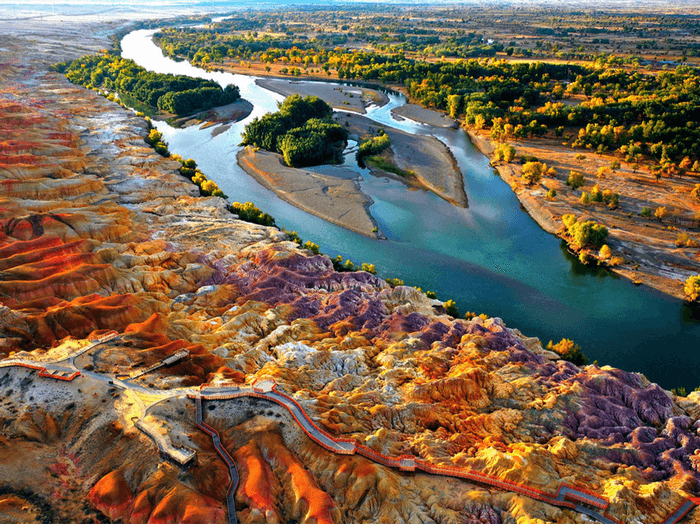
(73, 7)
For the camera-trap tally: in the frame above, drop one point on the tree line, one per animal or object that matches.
(177, 94)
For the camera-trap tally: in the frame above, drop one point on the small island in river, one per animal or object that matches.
(424, 161)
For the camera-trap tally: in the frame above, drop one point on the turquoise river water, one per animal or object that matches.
(491, 258)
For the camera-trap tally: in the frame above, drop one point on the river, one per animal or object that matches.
(491, 258)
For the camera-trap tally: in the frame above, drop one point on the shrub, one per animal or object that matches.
(682, 239)
(695, 192)
(616, 261)
(505, 152)
(162, 149)
(250, 213)
(551, 194)
(661, 213)
(369, 268)
(312, 247)
(568, 351)
(393, 282)
(585, 198)
(451, 308)
(605, 252)
(575, 180)
(646, 212)
(372, 146)
(680, 392)
(692, 288)
(611, 199)
(154, 136)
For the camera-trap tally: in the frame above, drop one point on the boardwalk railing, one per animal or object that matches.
(56, 373)
(567, 496)
(221, 450)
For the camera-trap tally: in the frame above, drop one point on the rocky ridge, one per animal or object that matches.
(100, 233)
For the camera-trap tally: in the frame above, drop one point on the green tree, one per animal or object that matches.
(504, 152)
(585, 233)
(533, 171)
(454, 105)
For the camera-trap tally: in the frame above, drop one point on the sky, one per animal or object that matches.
(139, 9)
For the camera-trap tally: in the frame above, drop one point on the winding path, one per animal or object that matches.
(568, 497)
(221, 450)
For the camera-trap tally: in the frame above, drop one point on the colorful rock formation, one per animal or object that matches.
(100, 233)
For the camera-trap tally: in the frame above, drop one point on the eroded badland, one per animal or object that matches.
(101, 234)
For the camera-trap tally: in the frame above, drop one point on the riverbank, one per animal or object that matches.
(336, 199)
(647, 245)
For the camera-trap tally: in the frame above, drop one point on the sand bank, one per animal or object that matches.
(429, 159)
(335, 199)
(424, 116)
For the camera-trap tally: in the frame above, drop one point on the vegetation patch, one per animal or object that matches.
(587, 233)
(372, 146)
(302, 131)
(383, 164)
(177, 94)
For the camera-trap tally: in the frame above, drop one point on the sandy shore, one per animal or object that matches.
(647, 246)
(336, 199)
(348, 98)
(429, 159)
(424, 116)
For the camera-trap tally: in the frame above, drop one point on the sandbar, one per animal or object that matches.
(335, 199)
(430, 160)
(425, 116)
